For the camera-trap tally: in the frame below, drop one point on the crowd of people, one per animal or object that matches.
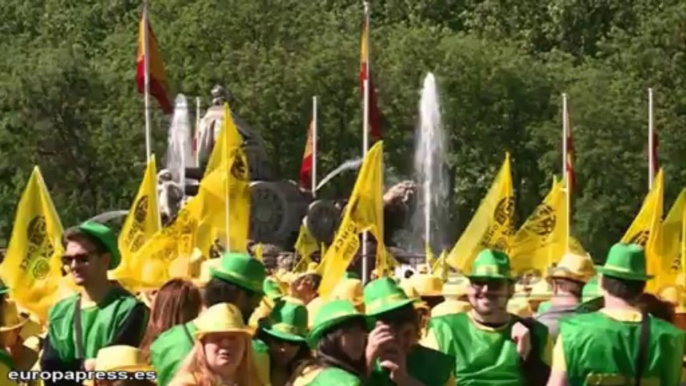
(239, 324)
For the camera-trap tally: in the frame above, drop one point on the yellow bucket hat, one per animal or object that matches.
(541, 291)
(427, 285)
(121, 358)
(456, 287)
(575, 267)
(222, 317)
(520, 307)
(205, 272)
(408, 287)
(350, 290)
(11, 319)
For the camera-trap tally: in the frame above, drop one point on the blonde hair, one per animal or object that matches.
(246, 371)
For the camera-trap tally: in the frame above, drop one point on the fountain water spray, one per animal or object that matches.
(180, 142)
(430, 162)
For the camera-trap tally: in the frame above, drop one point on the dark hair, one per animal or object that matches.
(627, 290)
(304, 353)
(314, 278)
(219, 291)
(329, 353)
(432, 301)
(400, 316)
(653, 305)
(177, 302)
(573, 287)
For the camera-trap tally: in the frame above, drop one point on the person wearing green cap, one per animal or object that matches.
(619, 344)
(238, 280)
(338, 338)
(101, 314)
(284, 333)
(393, 351)
(488, 344)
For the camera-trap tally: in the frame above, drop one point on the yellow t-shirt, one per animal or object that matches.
(4, 376)
(430, 340)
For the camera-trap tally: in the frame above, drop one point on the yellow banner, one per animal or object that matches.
(673, 242)
(31, 268)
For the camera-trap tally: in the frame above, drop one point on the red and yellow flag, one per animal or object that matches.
(158, 86)
(374, 115)
(306, 167)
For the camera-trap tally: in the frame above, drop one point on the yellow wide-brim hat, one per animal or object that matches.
(427, 285)
(121, 358)
(221, 318)
(11, 319)
(206, 272)
(520, 307)
(573, 266)
(350, 290)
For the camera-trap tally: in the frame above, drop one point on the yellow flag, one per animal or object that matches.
(672, 241)
(168, 253)
(229, 138)
(142, 222)
(440, 267)
(227, 176)
(543, 238)
(31, 267)
(259, 252)
(645, 231)
(363, 212)
(491, 226)
(305, 246)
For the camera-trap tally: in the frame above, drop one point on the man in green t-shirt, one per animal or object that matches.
(101, 315)
(489, 344)
(610, 346)
(237, 279)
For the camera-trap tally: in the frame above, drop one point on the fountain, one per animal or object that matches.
(430, 216)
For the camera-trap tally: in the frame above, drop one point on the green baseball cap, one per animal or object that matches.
(625, 261)
(491, 265)
(242, 270)
(329, 316)
(384, 295)
(104, 236)
(287, 321)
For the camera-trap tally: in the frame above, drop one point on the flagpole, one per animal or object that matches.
(146, 70)
(227, 211)
(365, 133)
(314, 146)
(195, 132)
(651, 134)
(565, 168)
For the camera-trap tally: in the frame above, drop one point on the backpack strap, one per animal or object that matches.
(78, 330)
(643, 342)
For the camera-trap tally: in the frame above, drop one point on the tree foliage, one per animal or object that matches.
(68, 100)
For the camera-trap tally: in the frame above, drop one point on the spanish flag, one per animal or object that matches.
(158, 86)
(374, 115)
(306, 167)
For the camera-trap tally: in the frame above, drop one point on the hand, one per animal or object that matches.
(393, 360)
(522, 337)
(380, 337)
(89, 365)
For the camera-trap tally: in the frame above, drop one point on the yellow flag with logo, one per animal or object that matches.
(229, 138)
(142, 222)
(543, 239)
(440, 267)
(673, 242)
(491, 226)
(305, 246)
(167, 254)
(31, 268)
(646, 231)
(363, 212)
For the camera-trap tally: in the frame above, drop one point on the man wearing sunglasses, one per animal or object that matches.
(101, 315)
(488, 343)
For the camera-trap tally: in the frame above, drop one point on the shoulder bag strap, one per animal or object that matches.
(642, 348)
(188, 334)
(78, 331)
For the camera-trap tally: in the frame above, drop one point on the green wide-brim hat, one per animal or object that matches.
(626, 261)
(104, 236)
(329, 316)
(491, 265)
(242, 270)
(272, 289)
(287, 321)
(384, 295)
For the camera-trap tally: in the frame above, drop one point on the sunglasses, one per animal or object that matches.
(81, 258)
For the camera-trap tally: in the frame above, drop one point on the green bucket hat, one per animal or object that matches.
(272, 289)
(329, 316)
(242, 270)
(626, 261)
(104, 236)
(352, 275)
(490, 265)
(383, 295)
(287, 321)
